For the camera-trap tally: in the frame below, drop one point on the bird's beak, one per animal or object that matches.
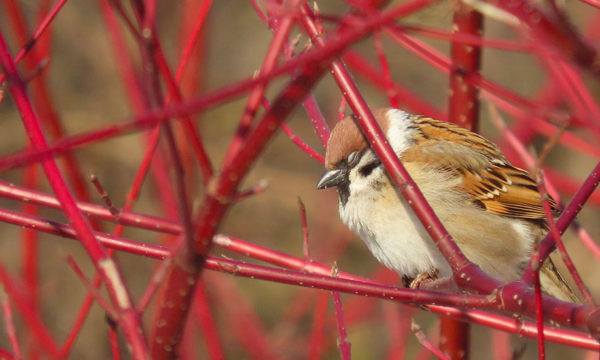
(331, 178)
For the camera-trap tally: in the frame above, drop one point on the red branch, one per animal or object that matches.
(324, 281)
(565, 99)
(463, 109)
(128, 318)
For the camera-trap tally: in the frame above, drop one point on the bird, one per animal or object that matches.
(491, 208)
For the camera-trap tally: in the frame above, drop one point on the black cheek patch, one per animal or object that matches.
(368, 169)
(343, 190)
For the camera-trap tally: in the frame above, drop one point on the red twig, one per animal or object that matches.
(316, 118)
(258, 272)
(343, 343)
(455, 338)
(128, 319)
(31, 242)
(113, 210)
(397, 172)
(560, 244)
(31, 317)
(385, 70)
(398, 325)
(424, 340)
(113, 339)
(259, 188)
(463, 106)
(594, 3)
(245, 323)
(539, 313)
(463, 109)
(37, 34)
(556, 31)
(408, 99)
(305, 249)
(256, 94)
(310, 108)
(39, 89)
(9, 324)
(301, 144)
(92, 290)
(556, 42)
(566, 217)
(318, 326)
(202, 311)
(156, 281)
(215, 203)
(139, 219)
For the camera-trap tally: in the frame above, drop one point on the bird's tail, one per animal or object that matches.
(555, 285)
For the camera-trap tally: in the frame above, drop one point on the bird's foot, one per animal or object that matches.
(423, 279)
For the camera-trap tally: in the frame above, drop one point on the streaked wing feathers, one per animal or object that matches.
(488, 177)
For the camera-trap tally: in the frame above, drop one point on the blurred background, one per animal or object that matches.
(83, 80)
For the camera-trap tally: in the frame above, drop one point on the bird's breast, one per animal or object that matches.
(391, 231)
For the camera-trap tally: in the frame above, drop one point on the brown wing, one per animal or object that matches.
(506, 190)
(488, 177)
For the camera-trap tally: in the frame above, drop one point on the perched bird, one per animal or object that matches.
(492, 209)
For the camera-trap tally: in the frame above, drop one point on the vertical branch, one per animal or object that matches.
(30, 262)
(170, 320)
(31, 318)
(256, 94)
(119, 294)
(318, 327)
(454, 338)
(343, 342)
(41, 95)
(463, 109)
(9, 324)
(203, 314)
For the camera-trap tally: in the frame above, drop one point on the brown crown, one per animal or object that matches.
(346, 138)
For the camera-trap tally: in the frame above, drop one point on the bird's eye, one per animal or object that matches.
(366, 170)
(352, 159)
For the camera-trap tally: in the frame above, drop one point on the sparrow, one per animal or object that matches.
(492, 209)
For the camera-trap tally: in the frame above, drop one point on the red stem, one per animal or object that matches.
(30, 242)
(567, 216)
(41, 94)
(556, 31)
(216, 203)
(409, 100)
(428, 344)
(397, 172)
(397, 320)
(463, 106)
(91, 289)
(385, 71)
(343, 342)
(202, 311)
(113, 339)
(31, 318)
(506, 324)
(561, 246)
(539, 314)
(256, 94)
(318, 327)
(128, 319)
(463, 109)
(37, 34)
(242, 319)
(594, 3)
(9, 324)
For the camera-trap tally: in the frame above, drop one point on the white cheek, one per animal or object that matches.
(399, 133)
(363, 186)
